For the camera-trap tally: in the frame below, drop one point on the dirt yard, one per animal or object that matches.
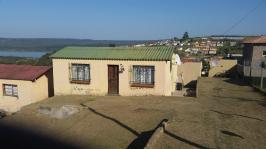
(226, 114)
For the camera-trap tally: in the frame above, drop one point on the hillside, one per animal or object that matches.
(50, 44)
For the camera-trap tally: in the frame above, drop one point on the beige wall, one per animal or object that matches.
(174, 73)
(28, 92)
(40, 88)
(99, 78)
(223, 66)
(189, 71)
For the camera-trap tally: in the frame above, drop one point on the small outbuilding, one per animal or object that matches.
(125, 71)
(24, 84)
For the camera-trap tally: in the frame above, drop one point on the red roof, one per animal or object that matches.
(22, 72)
(258, 40)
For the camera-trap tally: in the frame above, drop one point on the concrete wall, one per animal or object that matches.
(40, 88)
(222, 67)
(252, 60)
(99, 78)
(28, 92)
(189, 72)
(257, 58)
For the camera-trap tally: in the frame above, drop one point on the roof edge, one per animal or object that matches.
(112, 59)
(37, 77)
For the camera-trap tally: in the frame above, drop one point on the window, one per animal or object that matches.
(264, 54)
(80, 73)
(143, 76)
(10, 90)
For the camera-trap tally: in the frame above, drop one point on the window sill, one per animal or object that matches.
(142, 85)
(79, 82)
(10, 96)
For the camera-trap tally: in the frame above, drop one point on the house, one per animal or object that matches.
(220, 43)
(125, 71)
(24, 84)
(222, 67)
(212, 51)
(254, 55)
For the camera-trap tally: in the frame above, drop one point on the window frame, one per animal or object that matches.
(77, 81)
(12, 85)
(133, 82)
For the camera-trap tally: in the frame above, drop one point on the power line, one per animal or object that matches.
(243, 18)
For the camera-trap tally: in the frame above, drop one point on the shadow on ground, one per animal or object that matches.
(239, 115)
(238, 98)
(241, 82)
(261, 102)
(185, 140)
(15, 136)
(229, 133)
(236, 82)
(142, 138)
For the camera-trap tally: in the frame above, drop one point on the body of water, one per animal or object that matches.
(31, 54)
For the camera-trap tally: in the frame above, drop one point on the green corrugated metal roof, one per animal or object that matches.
(116, 53)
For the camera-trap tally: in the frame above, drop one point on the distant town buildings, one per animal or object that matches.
(205, 45)
(167, 42)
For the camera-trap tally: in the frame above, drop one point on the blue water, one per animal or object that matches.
(32, 54)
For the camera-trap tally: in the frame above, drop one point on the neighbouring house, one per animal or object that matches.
(212, 51)
(254, 57)
(222, 67)
(125, 71)
(24, 84)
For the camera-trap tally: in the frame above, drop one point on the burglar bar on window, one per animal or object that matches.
(142, 76)
(80, 73)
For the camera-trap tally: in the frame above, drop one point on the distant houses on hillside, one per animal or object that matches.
(204, 45)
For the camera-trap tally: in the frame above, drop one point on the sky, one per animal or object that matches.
(130, 19)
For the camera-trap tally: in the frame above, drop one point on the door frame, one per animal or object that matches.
(117, 66)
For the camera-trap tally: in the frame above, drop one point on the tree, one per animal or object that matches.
(112, 45)
(228, 49)
(185, 36)
(45, 60)
(176, 39)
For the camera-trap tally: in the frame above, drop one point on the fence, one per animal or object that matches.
(256, 82)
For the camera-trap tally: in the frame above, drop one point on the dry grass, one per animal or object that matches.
(226, 115)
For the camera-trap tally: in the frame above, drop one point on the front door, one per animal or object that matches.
(113, 79)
